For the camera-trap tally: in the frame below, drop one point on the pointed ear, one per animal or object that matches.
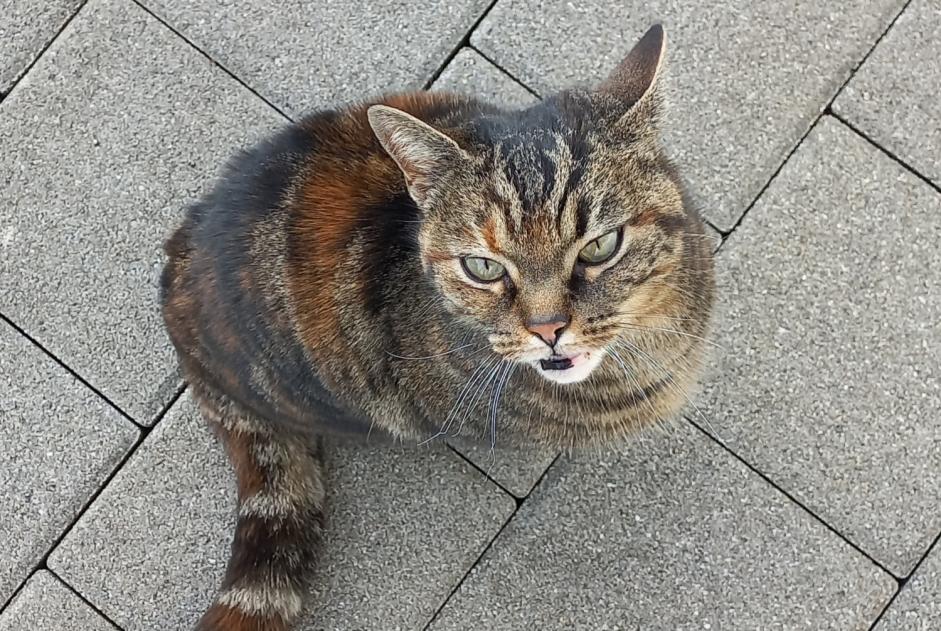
(424, 154)
(635, 78)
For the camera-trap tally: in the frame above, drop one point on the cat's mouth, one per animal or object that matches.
(568, 367)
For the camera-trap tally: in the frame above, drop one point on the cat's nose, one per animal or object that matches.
(547, 328)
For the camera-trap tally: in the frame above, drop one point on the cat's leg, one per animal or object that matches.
(280, 521)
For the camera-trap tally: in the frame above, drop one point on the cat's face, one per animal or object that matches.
(556, 231)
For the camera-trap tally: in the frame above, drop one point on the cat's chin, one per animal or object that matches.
(578, 367)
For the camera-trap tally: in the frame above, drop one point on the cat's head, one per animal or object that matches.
(556, 229)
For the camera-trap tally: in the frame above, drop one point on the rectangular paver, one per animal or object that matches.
(829, 376)
(403, 527)
(118, 125)
(893, 98)
(918, 605)
(26, 27)
(746, 79)
(59, 443)
(45, 604)
(303, 57)
(671, 533)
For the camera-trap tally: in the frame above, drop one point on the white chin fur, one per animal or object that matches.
(575, 373)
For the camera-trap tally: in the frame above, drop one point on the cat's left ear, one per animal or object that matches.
(424, 154)
(633, 83)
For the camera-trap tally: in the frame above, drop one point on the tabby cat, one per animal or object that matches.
(426, 264)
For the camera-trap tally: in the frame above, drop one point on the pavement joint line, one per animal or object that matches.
(882, 149)
(35, 60)
(509, 74)
(142, 435)
(800, 504)
(482, 472)
(473, 566)
(87, 602)
(461, 43)
(823, 112)
(903, 582)
(213, 61)
(73, 373)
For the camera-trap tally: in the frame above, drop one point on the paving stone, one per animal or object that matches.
(45, 603)
(668, 533)
(60, 442)
(26, 26)
(894, 97)
(829, 376)
(746, 78)
(470, 73)
(918, 605)
(302, 57)
(116, 128)
(403, 528)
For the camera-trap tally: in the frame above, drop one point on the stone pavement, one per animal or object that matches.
(803, 491)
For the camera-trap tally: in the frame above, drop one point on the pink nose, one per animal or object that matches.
(548, 329)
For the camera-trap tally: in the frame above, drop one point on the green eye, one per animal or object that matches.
(482, 270)
(601, 249)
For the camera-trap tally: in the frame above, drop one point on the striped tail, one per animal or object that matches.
(280, 521)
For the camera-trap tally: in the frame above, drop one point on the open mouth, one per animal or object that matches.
(556, 363)
(559, 362)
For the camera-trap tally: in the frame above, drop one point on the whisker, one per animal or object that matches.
(500, 386)
(641, 327)
(449, 418)
(453, 350)
(634, 349)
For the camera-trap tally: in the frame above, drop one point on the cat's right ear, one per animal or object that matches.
(424, 154)
(633, 82)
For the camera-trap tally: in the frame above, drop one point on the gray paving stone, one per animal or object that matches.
(829, 378)
(918, 605)
(670, 533)
(894, 97)
(470, 73)
(402, 530)
(60, 442)
(303, 57)
(116, 128)
(46, 604)
(746, 78)
(26, 26)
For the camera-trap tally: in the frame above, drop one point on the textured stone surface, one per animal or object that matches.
(671, 533)
(45, 604)
(746, 79)
(403, 528)
(59, 443)
(918, 605)
(26, 26)
(894, 97)
(116, 128)
(829, 379)
(306, 56)
(471, 74)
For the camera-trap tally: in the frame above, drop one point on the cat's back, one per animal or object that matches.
(251, 293)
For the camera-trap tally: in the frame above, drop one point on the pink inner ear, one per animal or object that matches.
(637, 73)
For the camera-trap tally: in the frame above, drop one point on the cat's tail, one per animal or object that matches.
(280, 521)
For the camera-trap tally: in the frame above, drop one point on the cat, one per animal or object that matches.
(426, 264)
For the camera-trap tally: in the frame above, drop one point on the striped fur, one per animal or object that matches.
(318, 289)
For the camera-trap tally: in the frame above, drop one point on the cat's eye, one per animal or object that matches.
(601, 249)
(482, 269)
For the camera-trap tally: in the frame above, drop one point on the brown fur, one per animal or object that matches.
(319, 289)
